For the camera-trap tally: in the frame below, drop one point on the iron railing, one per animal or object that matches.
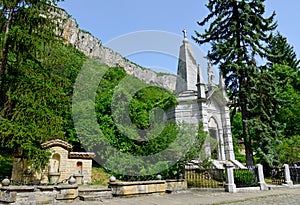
(295, 174)
(209, 177)
(277, 176)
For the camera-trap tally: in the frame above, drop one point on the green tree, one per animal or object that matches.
(282, 52)
(275, 103)
(289, 150)
(264, 105)
(31, 96)
(286, 69)
(25, 26)
(281, 99)
(40, 104)
(238, 32)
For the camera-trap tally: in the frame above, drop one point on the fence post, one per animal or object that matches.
(261, 177)
(287, 175)
(229, 185)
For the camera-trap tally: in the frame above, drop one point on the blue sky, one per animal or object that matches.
(108, 20)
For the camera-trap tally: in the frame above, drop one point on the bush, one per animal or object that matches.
(6, 164)
(244, 177)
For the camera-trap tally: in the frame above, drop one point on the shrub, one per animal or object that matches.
(244, 177)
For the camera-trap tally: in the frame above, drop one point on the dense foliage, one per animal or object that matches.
(140, 106)
(27, 98)
(132, 138)
(39, 99)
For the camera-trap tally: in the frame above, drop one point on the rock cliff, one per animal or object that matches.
(92, 47)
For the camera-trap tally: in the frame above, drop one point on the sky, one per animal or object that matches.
(155, 27)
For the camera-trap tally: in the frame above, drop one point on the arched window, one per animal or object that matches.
(79, 167)
(214, 136)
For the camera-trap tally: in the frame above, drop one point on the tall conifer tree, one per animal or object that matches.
(282, 52)
(238, 33)
(28, 113)
(25, 25)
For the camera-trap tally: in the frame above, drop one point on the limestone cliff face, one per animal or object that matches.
(92, 47)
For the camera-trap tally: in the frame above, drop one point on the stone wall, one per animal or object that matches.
(147, 187)
(92, 47)
(138, 187)
(23, 195)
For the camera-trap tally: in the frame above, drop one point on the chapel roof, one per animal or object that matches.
(81, 155)
(57, 142)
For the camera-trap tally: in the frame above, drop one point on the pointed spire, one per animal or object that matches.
(222, 86)
(200, 84)
(210, 74)
(187, 67)
(199, 74)
(221, 81)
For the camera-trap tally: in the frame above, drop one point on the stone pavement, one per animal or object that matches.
(280, 196)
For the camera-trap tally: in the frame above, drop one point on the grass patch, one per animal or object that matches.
(99, 176)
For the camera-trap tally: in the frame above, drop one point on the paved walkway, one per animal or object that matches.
(289, 196)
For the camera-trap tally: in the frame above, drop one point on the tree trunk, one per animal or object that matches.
(247, 140)
(5, 43)
(247, 137)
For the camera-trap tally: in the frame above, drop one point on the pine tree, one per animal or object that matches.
(283, 64)
(28, 104)
(264, 125)
(238, 33)
(282, 52)
(25, 25)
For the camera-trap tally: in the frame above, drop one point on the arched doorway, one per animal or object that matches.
(214, 138)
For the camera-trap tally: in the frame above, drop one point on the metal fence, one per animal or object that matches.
(276, 176)
(209, 177)
(295, 174)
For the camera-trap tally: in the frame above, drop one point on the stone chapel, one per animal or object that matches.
(206, 103)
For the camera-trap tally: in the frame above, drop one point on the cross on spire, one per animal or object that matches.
(184, 33)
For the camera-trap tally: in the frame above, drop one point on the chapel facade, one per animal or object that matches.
(204, 103)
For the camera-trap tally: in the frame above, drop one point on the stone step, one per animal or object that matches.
(94, 193)
(94, 197)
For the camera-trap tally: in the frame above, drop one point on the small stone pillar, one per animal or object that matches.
(261, 178)
(229, 185)
(287, 175)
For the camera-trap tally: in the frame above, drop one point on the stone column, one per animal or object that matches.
(261, 178)
(287, 175)
(229, 185)
(221, 144)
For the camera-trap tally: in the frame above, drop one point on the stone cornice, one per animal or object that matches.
(81, 155)
(56, 142)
